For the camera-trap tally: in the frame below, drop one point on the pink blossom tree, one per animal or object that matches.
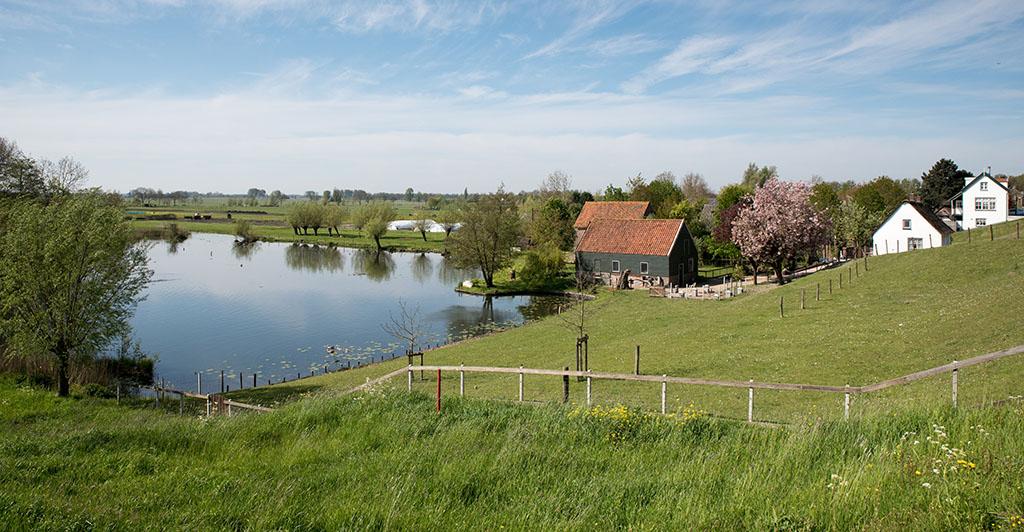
(779, 224)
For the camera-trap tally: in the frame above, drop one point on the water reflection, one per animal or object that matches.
(245, 251)
(422, 268)
(451, 275)
(309, 258)
(375, 265)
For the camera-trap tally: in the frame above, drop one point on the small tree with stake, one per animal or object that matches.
(575, 318)
(70, 277)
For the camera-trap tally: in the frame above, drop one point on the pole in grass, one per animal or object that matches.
(782, 310)
(750, 403)
(846, 403)
(199, 382)
(439, 390)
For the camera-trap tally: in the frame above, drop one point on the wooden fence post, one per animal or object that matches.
(968, 235)
(118, 397)
(991, 234)
(840, 280)
(588, 388)
(410, 377)
(240, 383)
(207, 406)
(462, 380)
(1018, 230)
(782, 310)
(750, 403)
(817, 291)
(253, 380)
(955, 383)
(930, 241)
(846, 403)
(565, 386)
(229, 408)
(438, 390)
(865, 263)
(181, 403)
(199, 382)
(830, 287)
(520, 383)
(221, 381)
(856, 268)
(802, 306)
(636, 362)
(664, 385)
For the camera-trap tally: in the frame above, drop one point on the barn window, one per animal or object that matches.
(984, 185)
(615, 266)
(906, 224)
(643, 267)
(980, 221)
(597, 265)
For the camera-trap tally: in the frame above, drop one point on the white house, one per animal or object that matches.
(911, 226)
(984, 200)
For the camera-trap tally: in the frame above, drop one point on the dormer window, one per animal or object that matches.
(984, 186)
(906, 224)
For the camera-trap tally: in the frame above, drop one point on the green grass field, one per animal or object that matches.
(909, 312)
(272, 227)
(387, 461)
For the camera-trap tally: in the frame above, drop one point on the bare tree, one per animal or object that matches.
(407, 326)
(557, 183)
(574, 316)
(695, 188)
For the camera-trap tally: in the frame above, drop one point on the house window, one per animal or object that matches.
(906, 224)
(915, 243)
(615, 266)
(980, 221)
(984, 204)
(643, 267)
(984, 185)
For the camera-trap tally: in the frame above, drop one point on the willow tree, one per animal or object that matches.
(71, 274)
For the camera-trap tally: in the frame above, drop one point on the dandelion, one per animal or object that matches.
(926, 485)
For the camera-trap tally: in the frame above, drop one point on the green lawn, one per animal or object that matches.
(387, 461)
(272, 227)
(909, 312)
(392, 241)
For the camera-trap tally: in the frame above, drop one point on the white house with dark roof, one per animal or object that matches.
(984, 200)
(911, 226)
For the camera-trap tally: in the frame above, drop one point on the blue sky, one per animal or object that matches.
(385, 94)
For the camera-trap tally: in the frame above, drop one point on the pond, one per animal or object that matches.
(281, 309)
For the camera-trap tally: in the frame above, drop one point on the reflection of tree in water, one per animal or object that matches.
(375, 265)
(463, 321)
(314, 258)
(422, 268)
(537, 307)
(448, 274)
(244, 250)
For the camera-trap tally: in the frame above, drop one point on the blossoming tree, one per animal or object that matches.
(780, 224)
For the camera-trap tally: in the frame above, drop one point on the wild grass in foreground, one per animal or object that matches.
(386, 460)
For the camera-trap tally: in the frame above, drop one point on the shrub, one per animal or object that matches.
(244, 231)
(543, 265)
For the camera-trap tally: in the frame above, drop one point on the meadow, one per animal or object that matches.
(269, 224)
(386, 460)
(906, 313)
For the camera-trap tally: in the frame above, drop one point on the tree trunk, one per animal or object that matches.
(488, 279)
(377, 240)
(305, 230)
(424, 235)
(778, 271)
(316, 231)
(62, 374)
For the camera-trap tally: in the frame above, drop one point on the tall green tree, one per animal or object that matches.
(373, 219)
(71, 274)
(880, 196)
(490, 229)
(553, 225)
(755, 176)
(942, 182)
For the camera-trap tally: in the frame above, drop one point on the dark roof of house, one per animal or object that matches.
(926, 213)
(975, 180)
(611, 210)
(631, 237)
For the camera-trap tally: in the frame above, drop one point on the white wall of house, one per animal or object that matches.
(906, 229)
(984, 203)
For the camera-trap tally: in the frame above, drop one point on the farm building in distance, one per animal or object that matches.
(911, 226)
(653, 252)
(610, 210)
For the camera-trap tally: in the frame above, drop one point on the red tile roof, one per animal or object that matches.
(633, 237)
(611, 210)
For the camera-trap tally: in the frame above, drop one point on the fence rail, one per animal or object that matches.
(751, 385)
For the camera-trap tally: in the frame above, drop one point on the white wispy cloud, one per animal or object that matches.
(691, 55)
(590, 16)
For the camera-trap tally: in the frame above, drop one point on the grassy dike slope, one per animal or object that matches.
(909, 312)
(387, 461)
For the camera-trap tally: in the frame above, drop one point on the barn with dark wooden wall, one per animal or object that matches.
(656, 252)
